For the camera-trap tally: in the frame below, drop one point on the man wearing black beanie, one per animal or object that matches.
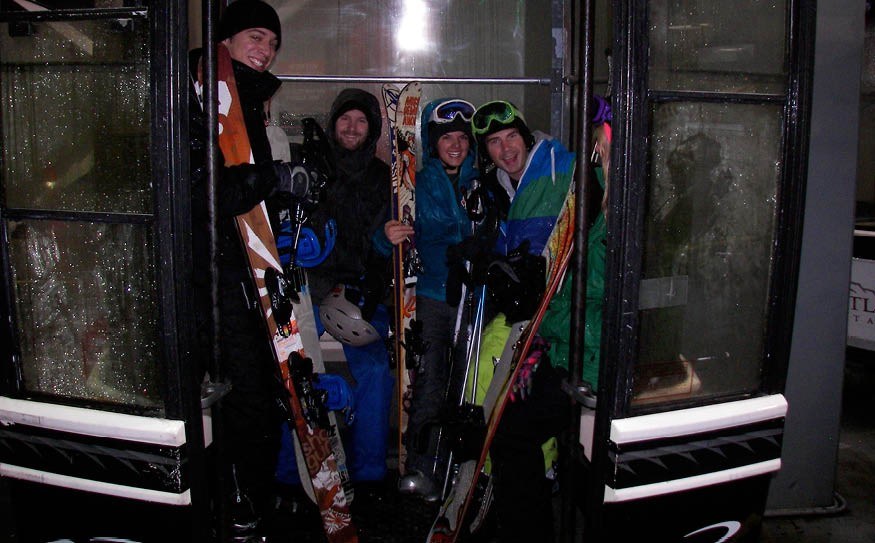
(249, 33)
(250, 14)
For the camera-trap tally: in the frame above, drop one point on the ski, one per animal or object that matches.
(471, 481)
(309, 418)
(447, 519)
(402, 111)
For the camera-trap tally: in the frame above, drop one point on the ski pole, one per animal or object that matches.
(434, 466)
(476, 342)
(461, 310)
(471, 332)
(468, 312)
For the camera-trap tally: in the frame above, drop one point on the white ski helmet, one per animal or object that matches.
(343, 319)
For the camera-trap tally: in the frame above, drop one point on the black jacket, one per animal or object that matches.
(238, 189)
(358, 201)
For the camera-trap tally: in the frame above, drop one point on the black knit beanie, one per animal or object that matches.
(244, 14)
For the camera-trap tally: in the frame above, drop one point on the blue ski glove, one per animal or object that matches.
(339, 394)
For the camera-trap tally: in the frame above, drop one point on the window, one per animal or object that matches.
(77, 204)
(717, 91)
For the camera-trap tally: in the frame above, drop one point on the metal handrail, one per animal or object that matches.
(545, 81)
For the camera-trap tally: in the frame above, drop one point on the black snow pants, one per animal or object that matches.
(523, 494)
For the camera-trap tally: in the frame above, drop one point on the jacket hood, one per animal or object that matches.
(366, 103)
(427, 158)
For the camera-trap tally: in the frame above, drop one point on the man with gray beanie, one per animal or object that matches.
(249, 36)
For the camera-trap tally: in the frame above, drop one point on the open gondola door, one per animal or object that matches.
(711, 107)
(101, 429)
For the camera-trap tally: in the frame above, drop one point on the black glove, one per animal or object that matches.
(456, 276)
(476, 250)
(515, 283)
(294, 179)
(465, 429)
(476, 201)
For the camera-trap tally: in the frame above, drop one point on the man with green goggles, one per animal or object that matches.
(501, 131)
(529, 178)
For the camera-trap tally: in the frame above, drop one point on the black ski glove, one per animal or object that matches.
(456, 275)
(298, 181)
(476, 202)
(476, 250)
(515, 283)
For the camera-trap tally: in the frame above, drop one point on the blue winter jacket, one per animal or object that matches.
(441, 220)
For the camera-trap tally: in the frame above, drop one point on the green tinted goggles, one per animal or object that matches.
(504, 113)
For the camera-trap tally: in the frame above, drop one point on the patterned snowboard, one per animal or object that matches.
(310, 341)
(310, 420)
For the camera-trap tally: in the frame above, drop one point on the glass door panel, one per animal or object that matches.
(75, 116)
(84, 297)
(78, 202)
(709, 230)
(710, 46)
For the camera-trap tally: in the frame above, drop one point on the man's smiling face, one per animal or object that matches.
(507, 149)
(351, 129)
(254, 47)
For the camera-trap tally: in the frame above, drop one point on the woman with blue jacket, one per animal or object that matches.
(441, 221)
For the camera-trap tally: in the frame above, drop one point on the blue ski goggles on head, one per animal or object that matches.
(447, 112)
(498, 111)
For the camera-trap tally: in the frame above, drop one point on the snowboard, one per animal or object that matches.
(314, 153)
(303, 309)
(309, 419)
(471, 481)
(402, 112)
